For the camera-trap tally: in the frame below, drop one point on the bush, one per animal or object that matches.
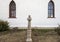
(58, 30)
(4, 25)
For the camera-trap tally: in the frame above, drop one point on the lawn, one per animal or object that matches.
(38, 35)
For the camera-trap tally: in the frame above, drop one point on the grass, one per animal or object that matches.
(38, 35)
(39, 32)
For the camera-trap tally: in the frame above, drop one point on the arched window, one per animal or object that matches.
(12, 9)
(51, 9)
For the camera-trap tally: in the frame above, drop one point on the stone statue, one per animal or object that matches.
(29, 39)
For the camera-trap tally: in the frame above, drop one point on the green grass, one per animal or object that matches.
(38, 32)
(11, 31)
(35, 32)
(42, 30)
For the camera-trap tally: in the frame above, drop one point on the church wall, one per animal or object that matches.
(38, 9)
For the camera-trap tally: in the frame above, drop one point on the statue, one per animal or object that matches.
(29, 39)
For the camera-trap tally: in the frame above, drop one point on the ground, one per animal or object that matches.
(37, 36)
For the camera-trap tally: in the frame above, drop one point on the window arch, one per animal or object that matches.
(51, 9)
(12, 9)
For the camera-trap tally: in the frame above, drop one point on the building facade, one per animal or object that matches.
(44, 13)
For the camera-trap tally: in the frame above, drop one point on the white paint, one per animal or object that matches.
(38, 9)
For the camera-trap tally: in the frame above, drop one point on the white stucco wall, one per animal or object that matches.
(38, 9)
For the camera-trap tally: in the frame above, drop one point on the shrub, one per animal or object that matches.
(58, 30)
(4, 25)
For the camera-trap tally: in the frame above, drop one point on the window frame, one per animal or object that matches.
(51, 9)
(12, 7)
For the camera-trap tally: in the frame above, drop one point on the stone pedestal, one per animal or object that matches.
(29, 39)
